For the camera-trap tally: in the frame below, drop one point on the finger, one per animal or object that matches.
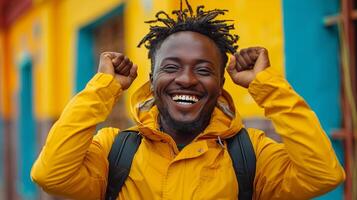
(118, 59)
(106, 55)
(133, 72)
(254, 52)
(262, 59)
(262, 50)
(241, 61)
(231, 68)
(105, 60)
(238, 64)
(247, 57)
(126, 69)
(122, 65)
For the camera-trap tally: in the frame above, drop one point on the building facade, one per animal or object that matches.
(49, 49)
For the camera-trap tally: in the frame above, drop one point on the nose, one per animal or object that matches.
(186, 78)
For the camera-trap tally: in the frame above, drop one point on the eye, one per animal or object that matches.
(203, 71)
(170, 68)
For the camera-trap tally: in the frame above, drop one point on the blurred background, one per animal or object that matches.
(49, 49)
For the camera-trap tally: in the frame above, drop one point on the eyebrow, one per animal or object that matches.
(177, 59)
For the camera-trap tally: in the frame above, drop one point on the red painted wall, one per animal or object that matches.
(12, 9)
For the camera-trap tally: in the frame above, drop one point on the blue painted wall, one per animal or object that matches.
(312, 63)
(86, 65)
(85, 59)
(26, 137)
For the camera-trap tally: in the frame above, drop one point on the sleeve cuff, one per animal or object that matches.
(265, 83)
(102, 80)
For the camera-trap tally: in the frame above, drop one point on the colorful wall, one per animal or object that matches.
(312, 64)
(2, 180)
(46, 57)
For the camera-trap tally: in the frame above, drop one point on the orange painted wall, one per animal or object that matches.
(7, 77)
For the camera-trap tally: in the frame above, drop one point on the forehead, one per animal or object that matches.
(188, 45)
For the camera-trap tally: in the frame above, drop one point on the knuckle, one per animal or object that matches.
(120, 55)
(103, 54)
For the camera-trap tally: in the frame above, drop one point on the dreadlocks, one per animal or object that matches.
(203, 22)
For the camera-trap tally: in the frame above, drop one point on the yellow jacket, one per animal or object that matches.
(73, 163)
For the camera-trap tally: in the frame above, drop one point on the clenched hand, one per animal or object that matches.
(246, 64)
(120, 66)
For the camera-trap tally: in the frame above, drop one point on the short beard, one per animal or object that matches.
(186, 128)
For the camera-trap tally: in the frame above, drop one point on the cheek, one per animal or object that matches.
(159, 83)
(213, 85)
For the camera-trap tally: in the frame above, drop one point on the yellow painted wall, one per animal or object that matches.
(259, 23)
(29, 35)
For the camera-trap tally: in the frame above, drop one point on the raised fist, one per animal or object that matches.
(120, 66)
(246, 64)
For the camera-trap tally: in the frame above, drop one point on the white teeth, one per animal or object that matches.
(185, 98)
(185, 103)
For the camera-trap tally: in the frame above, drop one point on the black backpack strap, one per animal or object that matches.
(241, 150)
(121, 155)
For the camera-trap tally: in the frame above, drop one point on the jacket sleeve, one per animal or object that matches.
(73, 164)
(305, 164)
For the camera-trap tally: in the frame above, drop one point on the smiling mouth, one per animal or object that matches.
(185, 99)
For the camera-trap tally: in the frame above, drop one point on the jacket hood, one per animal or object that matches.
(225, 120)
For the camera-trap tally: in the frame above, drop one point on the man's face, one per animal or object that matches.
(187, 80)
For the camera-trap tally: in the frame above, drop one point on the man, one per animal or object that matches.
(181, 113)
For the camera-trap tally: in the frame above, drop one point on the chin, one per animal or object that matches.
(193, 127)
(185, 120)
(183, 125)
